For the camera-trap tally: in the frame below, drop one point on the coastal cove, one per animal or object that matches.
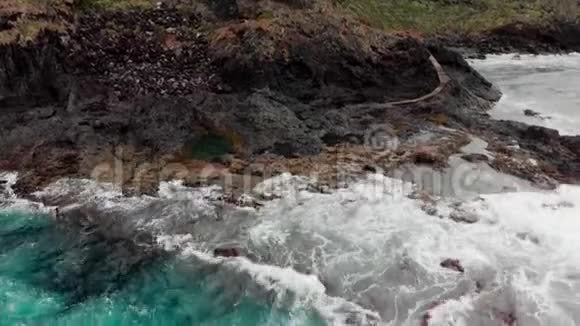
(289, 163)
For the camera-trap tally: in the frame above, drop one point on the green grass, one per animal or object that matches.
(112, 4)
(431, 17)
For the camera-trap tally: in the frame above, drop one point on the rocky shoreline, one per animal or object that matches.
(141, 96)
(556, 37)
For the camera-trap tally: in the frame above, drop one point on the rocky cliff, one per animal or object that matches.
(137, 96)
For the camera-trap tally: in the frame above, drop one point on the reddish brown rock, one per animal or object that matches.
(428, 155)
(427, 316)
(507, 318)
(6, 165)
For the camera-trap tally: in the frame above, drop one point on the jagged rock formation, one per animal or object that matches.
(126, 96)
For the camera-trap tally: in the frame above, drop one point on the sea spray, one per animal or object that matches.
(379, 249)
(545, 86)
(367, 254)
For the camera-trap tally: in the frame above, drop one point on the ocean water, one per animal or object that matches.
(546, 84)
(369, 254)
(50, 277)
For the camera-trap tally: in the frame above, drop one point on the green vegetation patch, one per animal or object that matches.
(208, 147)
(113, 4)
(452, 16)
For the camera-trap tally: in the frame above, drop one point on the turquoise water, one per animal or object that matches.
(52, 276)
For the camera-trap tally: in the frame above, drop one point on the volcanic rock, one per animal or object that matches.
(140, 95)
(453, 264)
(475, 157)
(531, 113)
(227, 252)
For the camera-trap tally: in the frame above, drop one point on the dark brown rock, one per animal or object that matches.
(151, 51)
(425, 321)
(453, 264)
(158, 80)
(475, 157)
(227, 252)
(548, 37)
(318, 58)
(463, 217)
(573, 143)
(6, 165)
(155, 82)
(428, 155)
(542, 134)
(8, 21)
(507, 318)
(531, 113)
(225, 9)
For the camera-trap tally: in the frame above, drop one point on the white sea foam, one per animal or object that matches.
(283, 287)
(545, 84)
(370, 254)
(9, 180)
(9, 200)
(380, 250)
(283, 185)
(175, 190)
(67, 190)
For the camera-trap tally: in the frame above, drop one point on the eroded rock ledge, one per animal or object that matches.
(140, 96)
(557, 36)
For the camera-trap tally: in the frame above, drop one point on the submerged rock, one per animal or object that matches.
(531, 113)
(426, 319)
(82, 257)
(508, 319)
(453, 264)
(227, 252)
(475, 157)
(528, 237)
(428, 155)
(461, 216)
